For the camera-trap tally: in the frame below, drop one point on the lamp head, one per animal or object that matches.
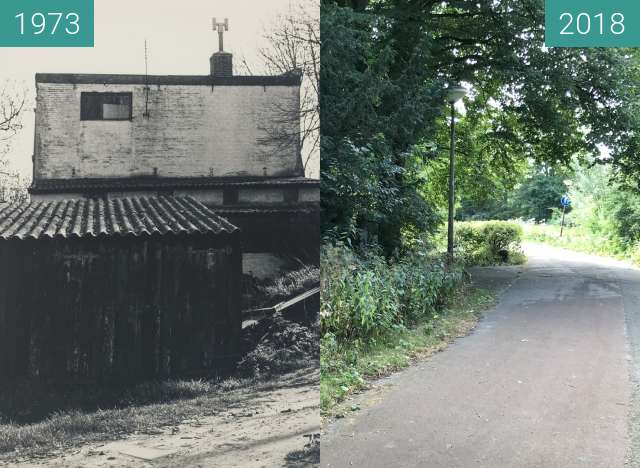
(454, 93)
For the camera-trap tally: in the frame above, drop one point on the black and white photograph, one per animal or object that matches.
(160, 240)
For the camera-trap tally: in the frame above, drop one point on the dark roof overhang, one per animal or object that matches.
(99, 185)
(290, 79)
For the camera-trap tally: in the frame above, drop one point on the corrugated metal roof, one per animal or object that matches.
(127, 183)
(132, 216)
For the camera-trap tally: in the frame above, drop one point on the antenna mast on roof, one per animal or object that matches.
(221, 28)
(146, 79)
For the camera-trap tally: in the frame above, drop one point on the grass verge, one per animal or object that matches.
(345, 367)
(579, 240)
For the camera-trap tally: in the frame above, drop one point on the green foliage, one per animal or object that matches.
(362, 192)
(489, 243)
(369, 126)
(605, 215)
(364, 296)
(469, 236)
(488, 166)
(501, 235)
(358, 298)
(624, 206)
(536, 197)
(551, 103)
(604, 207)
(424, 282)
(384, 137)
(581, 239)
(345, 365)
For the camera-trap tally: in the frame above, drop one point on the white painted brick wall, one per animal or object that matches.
(192, 131)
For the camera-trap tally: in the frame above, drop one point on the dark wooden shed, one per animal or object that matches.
(113, 289)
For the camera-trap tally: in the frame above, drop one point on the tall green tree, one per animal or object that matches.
(377, 101)
(384, 64)
(539, 196)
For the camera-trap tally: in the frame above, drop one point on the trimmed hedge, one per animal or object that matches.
(489, 242)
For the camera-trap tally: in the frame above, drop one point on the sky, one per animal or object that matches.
(180, 41)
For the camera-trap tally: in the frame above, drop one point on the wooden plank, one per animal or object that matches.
(292, 302)
(118, 308)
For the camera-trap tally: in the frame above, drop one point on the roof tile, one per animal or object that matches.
(132, 216)
(170, 183)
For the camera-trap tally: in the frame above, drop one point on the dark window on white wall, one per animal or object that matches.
(106, 106)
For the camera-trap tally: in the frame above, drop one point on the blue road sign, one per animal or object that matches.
(565, 201)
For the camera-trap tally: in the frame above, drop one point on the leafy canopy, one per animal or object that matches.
(384, 66)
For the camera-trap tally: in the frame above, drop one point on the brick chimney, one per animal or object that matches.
(222, 64)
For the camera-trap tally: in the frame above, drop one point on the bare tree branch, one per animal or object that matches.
(294, 48)
(12, 104)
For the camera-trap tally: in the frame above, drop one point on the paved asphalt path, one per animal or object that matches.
(548, 379)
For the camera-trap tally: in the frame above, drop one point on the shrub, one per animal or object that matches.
(358, 297)
(468, 236)
(489, 242)
(363, 296)
(501, 235)
(423, 283)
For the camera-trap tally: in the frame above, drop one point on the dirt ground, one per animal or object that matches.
(278, 427)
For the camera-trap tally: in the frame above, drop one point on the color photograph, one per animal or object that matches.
(480, 224)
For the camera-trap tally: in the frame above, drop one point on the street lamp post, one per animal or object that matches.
(454, 94)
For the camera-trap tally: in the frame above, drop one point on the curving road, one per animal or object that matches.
(548, 379)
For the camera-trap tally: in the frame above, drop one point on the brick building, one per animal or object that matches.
(219, 138)
(150, 197)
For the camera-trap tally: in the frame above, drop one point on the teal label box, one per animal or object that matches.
(592, 23)
(46, 23)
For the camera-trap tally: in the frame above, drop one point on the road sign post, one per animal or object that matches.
(564, 201)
